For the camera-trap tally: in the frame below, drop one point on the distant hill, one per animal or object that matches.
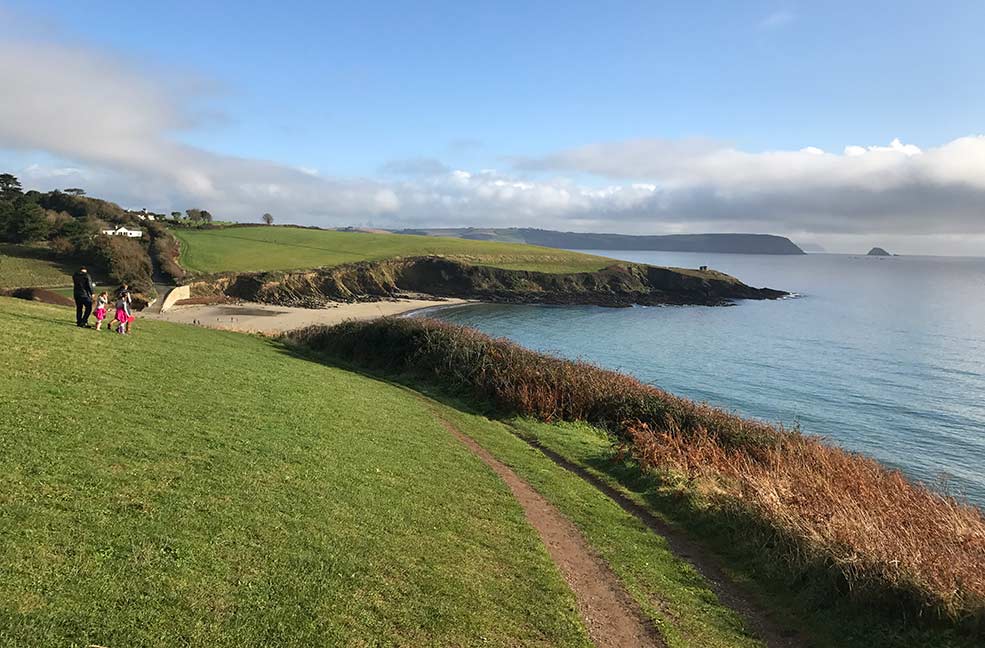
(878, 251)
(727, 243)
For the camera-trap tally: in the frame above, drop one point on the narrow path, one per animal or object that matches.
(611, 616)
(756, 618)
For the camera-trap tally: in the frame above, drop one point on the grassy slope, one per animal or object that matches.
(828, 623)
(247, 249)
(282, 502)
(24, 266)
(191, 487)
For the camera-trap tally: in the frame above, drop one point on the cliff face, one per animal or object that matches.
(618, 285)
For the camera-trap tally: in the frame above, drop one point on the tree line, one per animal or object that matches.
(69, 224)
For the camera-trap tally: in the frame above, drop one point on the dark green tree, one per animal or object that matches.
(75, 191)
(28, 223)
(268, 219)
(10, 187)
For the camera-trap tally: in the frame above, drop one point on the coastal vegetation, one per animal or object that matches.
(827, 521)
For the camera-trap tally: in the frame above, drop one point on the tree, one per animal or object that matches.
(194, 215)
(268, 219)
(75, 191)
(28, 223)
(10, 187)
(206, 216)
(176, 215)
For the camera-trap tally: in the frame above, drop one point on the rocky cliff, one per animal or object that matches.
(618, 285)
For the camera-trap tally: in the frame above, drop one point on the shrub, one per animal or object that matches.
(822, 508)
(165, 250)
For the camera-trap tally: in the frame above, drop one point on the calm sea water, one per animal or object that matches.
(884, 356)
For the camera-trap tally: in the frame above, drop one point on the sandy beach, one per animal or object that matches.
(250, 317)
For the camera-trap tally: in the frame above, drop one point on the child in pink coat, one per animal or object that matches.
(102, 302)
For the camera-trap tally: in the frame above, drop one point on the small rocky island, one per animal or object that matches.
(878, 251)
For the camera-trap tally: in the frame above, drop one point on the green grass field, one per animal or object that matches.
(246, 249)
(185, 486)
(23, 266)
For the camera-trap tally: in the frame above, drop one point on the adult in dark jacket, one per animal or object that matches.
(83, 287)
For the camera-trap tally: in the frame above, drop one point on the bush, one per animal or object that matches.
(128, 262)
(165, 250)
(822, 509)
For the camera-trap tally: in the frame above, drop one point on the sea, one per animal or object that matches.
(883, 356)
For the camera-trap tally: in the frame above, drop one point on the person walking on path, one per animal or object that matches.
(82, 289)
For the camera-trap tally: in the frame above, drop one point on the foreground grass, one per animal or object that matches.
(191, 487)
(246, 249)
(23, 266)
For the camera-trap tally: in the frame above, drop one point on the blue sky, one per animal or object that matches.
(347, 89)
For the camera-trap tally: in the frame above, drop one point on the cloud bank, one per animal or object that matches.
(116, 130)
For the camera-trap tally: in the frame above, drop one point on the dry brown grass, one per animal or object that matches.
(824, 507)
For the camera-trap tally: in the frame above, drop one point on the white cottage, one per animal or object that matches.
(123, 231)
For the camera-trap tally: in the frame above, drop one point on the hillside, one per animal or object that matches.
(250, 249)
(184, 486)
(24, 266)
(309, 267)
(721, 243)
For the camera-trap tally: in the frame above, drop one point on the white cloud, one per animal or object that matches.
(112, 129)
(898, 188)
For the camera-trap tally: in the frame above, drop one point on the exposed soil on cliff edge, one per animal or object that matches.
(618, 285)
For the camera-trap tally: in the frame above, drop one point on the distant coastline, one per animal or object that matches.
(721, 243)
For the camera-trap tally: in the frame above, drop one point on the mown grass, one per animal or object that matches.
(24, 266)
(839, 522)
(184, 486)
(249, 249)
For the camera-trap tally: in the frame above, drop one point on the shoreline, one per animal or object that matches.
(255, 317)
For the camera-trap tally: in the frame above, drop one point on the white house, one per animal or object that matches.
(122, 231)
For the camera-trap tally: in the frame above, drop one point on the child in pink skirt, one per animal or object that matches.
(101, 303)
(123, 315)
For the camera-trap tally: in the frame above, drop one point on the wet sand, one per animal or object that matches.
(249, 317)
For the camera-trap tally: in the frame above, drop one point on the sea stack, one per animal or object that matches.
(878, 251)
